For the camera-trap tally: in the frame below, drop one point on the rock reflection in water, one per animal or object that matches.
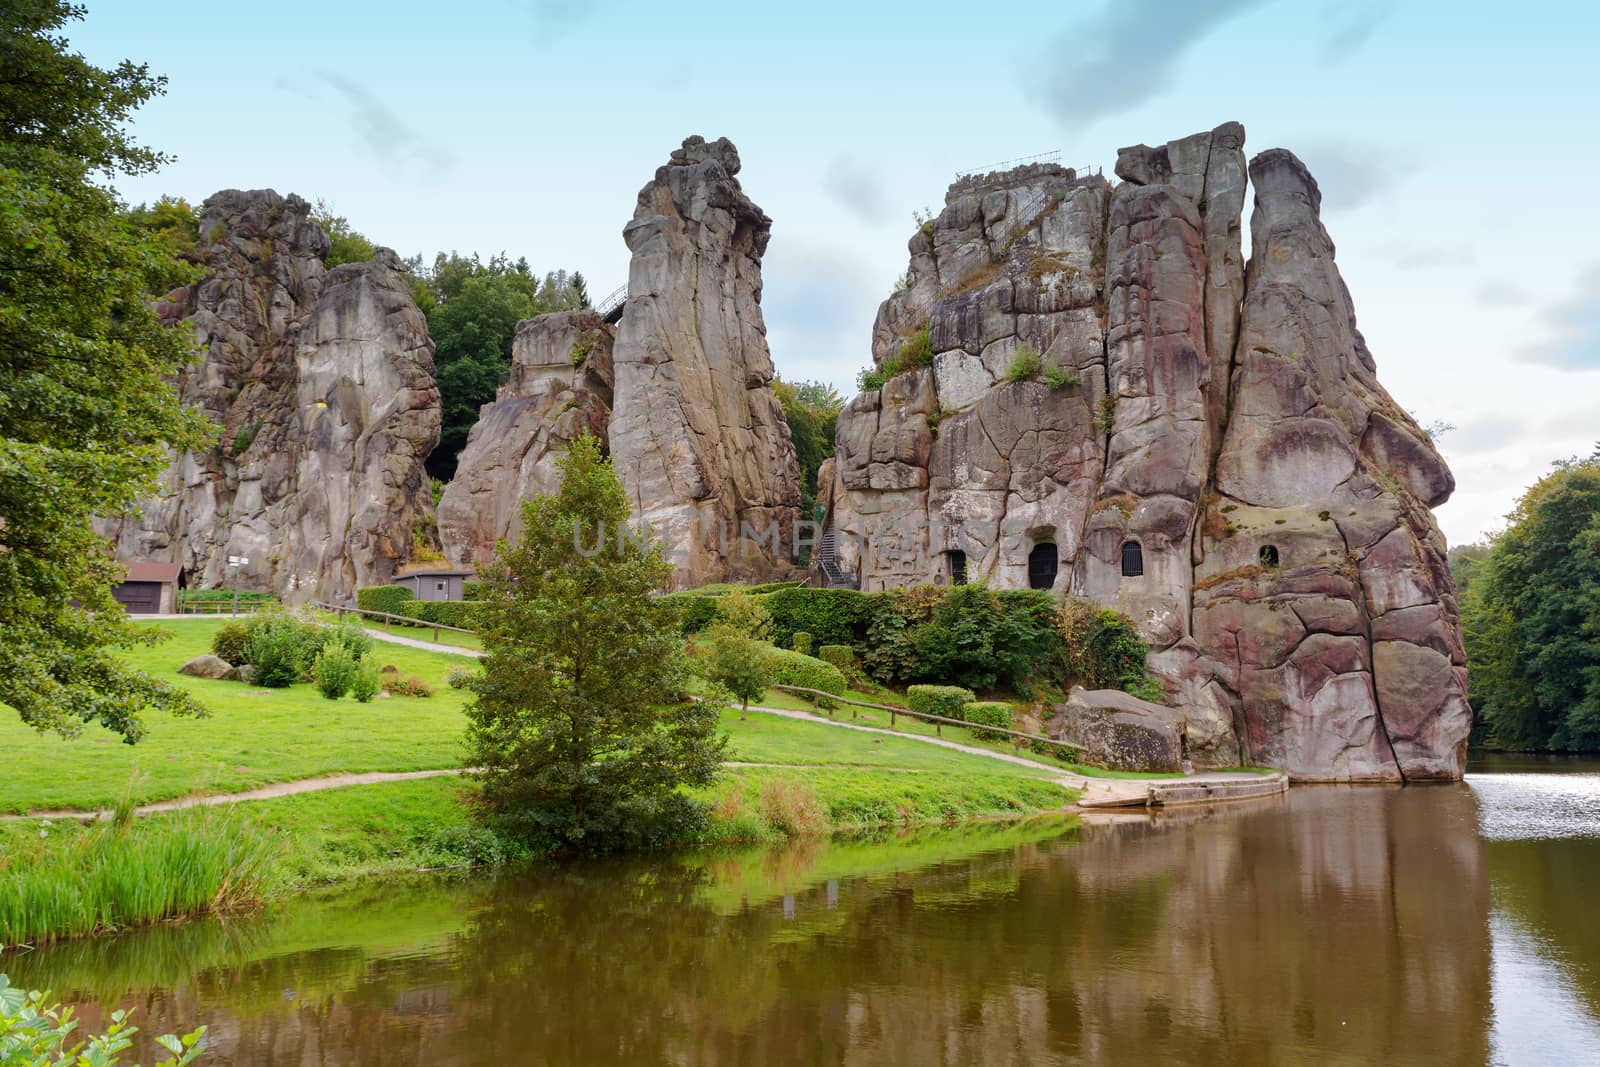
(1345, 925)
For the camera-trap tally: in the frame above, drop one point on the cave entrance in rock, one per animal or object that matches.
(956, 561)
(1042, 565)
(1132, 559)
(1269, 557)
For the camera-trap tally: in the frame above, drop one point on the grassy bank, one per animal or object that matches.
(790, 778)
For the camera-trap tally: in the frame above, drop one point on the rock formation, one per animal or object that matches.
(560, 387)
(696, 432)
(1107, 403)
(322, 383)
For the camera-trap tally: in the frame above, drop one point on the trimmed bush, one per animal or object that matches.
(946, 700)
(841, 656)
(807, 672)
(336, 669)
(393, 599)
(830, 616)
(801, 642)
(232, 643)
(988, 713)
(462, 614)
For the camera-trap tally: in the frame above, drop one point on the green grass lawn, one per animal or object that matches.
(253, 736)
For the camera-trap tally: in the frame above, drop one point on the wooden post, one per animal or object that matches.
(387, 619)
(436, 634)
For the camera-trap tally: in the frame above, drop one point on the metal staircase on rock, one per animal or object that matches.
(833, 577)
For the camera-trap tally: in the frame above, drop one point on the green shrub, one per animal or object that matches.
(741, 666)
(888, 652)
(917, 351)
(336, 669)
(1059, 377)
(471, 590)
(393, 599)
(957, 646)
(368, 682)
(1103, 650)
(988, 713)
(282, 649)
(800, 641)
(946, 700)
(869, 381)
(232, 643)
(462, 614)
(351, 635)
(830, 616)
(34, 1029)
(224, 596)
(1024, 363)
(697, 612)
(841, 656)
(807, 672)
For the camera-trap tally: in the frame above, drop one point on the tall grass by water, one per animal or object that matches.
(66, 881)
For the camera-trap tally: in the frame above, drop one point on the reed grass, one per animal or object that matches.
(72, 882)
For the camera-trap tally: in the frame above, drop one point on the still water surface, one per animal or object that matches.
(1447, 924)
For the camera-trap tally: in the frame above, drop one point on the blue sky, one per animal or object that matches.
(1454, 143)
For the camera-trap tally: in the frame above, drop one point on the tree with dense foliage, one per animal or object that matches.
(35, 1031)
(87, 409)
(173, 220)
(741, 666)
(473, 307)
(1531, 617)
(580, 718)
(345, 244)
(812, 411)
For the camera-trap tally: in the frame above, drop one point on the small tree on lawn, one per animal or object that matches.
(741, 665)
(580, 721)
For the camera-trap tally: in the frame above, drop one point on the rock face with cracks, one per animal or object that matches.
(322, 384)
(696, 432)
(1111, 404)
(560, 387)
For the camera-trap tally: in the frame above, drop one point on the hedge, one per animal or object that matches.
(389, 598)
(699, 611)
(946, 700)
(841, 656)
(801, 642)
(830, 616)
(807, 672)
(463, 614)
(988, 713)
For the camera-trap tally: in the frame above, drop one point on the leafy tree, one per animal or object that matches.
(742, 615)
(173, 220)
(1531, 617)
(741, 665)
(87, 410)
(812, 411)
(580, 720)
(345, 244)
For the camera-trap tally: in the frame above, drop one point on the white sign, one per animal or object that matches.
(238, 561)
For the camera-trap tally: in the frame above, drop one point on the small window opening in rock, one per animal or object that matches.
(1132, 559)
(1042, 565)
(957, 561)
(1269, 556)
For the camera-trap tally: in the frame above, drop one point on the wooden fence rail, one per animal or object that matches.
(937, 720)
(388, 619)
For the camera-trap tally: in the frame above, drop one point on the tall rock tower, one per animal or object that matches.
(696, 433)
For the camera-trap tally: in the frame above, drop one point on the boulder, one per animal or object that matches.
(209, 666)
(1119, 731)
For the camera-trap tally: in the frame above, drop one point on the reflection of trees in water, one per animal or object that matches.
(1339, 921)
(1546, 887)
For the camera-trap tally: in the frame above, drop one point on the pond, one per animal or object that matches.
(1440, 924)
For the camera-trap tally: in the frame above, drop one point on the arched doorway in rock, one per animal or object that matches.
(1043, 563)
(1132, 559)
(1269, 557)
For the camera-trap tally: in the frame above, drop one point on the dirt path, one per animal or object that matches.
(426, 646)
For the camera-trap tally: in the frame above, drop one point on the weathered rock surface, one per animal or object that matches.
(1207, 449)
(560, 387)
(209, 666)
(1120, 731)
(696, 433)
(322, 383)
